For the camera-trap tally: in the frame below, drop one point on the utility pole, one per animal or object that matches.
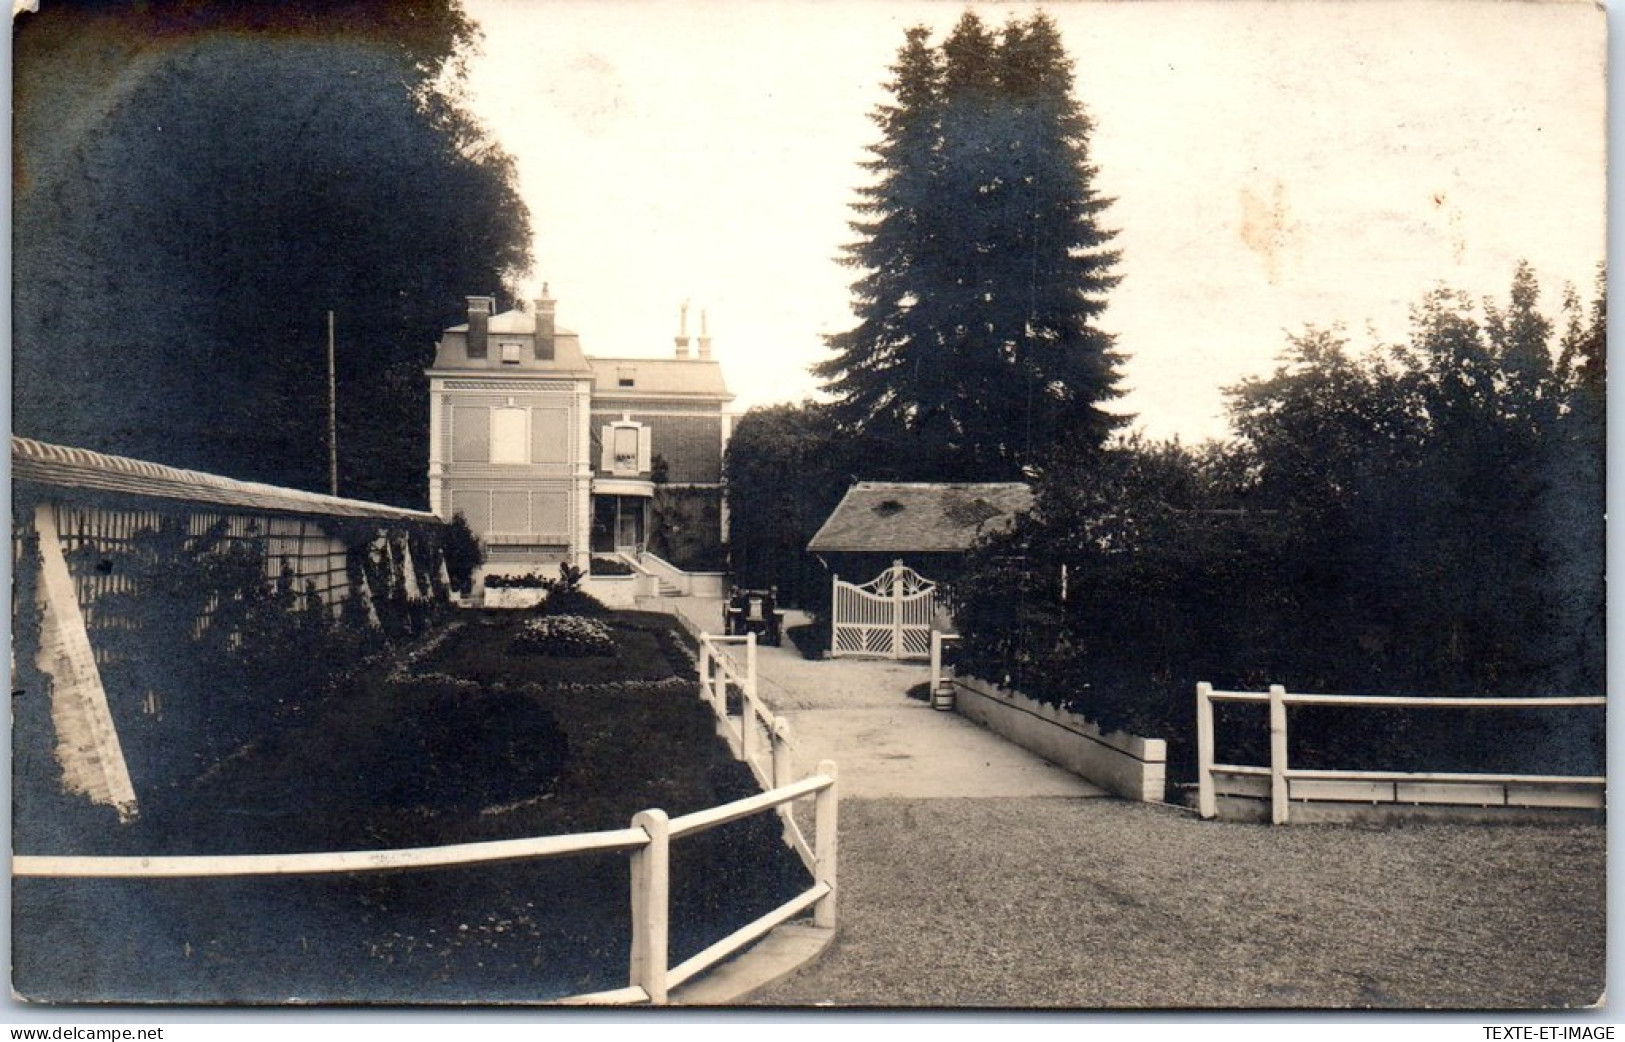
(332, 415)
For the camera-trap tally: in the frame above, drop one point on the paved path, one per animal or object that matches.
(972, 874)
(886, 747)
(885, 744)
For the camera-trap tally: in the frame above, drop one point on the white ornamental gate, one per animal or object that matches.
(889, 616)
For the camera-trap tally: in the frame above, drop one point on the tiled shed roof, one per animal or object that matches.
(42, 463)
(897, 517)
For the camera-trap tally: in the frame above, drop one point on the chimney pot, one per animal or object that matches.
(682, 331)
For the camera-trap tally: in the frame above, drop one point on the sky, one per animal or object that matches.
(1273, 166)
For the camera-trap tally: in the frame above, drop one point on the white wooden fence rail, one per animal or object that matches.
(1286, 783)
(757, 736)
(648, 840)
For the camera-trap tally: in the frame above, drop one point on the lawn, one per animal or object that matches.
(467, 741)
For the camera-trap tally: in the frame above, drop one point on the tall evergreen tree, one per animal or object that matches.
(977, 347)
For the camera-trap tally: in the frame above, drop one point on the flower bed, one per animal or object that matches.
(564, 636)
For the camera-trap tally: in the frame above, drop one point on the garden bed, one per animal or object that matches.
(464, 743)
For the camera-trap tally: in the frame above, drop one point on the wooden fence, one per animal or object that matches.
(648, 840)
(114, 556)
(1283, 786)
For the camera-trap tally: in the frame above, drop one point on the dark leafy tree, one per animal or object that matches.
(985, 267)
(217, 179)
(787, 467)
(1425, 518)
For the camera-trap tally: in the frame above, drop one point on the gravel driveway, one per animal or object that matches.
(1090, 903)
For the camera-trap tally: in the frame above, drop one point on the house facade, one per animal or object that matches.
(553, 455)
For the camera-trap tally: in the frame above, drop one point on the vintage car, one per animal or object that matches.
(756, 611)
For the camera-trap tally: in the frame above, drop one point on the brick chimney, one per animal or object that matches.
(545, 329)
(705, 337)
(479, 325)
(682, 331)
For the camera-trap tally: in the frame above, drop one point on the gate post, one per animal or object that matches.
(897, 609)
(834, 616)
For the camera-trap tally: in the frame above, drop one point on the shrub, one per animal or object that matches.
(528, 581)
(610, 566)
(565, 636)
(571, 602)
(566, 597)
(463, 554)
(811, 639)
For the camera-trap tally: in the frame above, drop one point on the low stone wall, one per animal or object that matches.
(1124, 764)
(708, 584)
(512, 597)
(617, 591)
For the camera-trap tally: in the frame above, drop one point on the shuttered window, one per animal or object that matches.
(470, 434)
(626, 449)
(509, 436)
(510, 512)
(549, 436)
(475, 508)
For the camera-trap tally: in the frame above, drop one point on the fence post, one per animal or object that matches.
(936, 663)
(826, 808)
(1207, 803)
(747, 705)
(750, 665)
(651, 902)
(705, 671)
(783, 770)
(1278, 791)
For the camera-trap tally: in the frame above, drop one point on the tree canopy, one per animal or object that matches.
(984, 264)
(1423, 517)
(198, 185)
(786, 468)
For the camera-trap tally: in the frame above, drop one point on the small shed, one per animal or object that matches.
(918, 520)
(906, 535)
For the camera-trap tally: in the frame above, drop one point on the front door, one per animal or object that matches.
(629, 524)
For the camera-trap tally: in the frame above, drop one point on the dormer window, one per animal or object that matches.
(626, 376)
(510, 352)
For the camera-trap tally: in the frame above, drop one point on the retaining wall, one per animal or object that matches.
(1127, 765)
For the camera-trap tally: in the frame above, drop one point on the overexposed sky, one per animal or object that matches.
(1274, 164)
